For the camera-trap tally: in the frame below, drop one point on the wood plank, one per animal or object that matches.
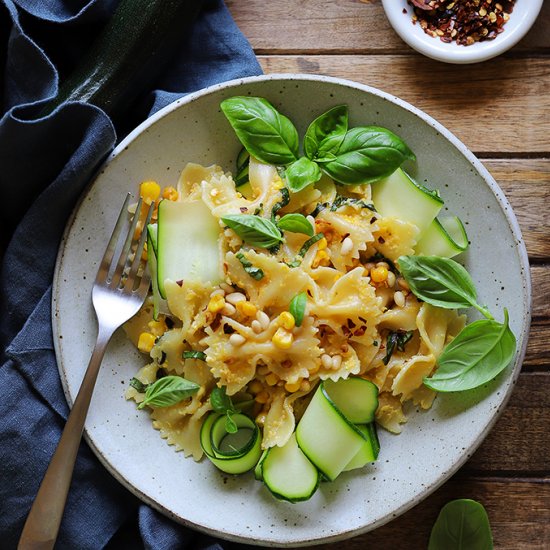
(338, 26)
(526, 183)
(519, 442)
(538, 354)
(501, 106)
(540, 277)
(518, 511)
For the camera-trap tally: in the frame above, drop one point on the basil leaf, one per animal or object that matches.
(340, 201)
(309, 243)
(302, 173)
(285, 199)
(220, 401)
(192, 354)
(462, 523)
(326, 133)
(254, 272)
(295, 223)
(318, 209)
(230, 426)
(138, 385)
(440, 281)
(367, 154)
(167, 391)
(254, 230)
(297, 307)
(396, 339)
(265, 133)
(480, 351)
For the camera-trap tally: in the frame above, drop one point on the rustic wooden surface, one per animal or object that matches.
(501, 110)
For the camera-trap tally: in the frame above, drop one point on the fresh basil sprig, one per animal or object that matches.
(367, 154)
(254, 230)
(266, 134)
(295, 223)
(326, 133)
(462, 523)
(480, 351)
(441, 282)
(222, 404)
(167, 391)
(302, 173)
(297, 308)
(194, 354)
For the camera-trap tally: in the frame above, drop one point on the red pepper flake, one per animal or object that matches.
(463, 21)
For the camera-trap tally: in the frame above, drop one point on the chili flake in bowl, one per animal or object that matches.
(462, 31)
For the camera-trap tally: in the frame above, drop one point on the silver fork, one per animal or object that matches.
(119, 290)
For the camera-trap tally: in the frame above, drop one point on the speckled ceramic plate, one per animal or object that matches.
(433, 445)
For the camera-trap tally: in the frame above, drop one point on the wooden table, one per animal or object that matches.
(501, 110)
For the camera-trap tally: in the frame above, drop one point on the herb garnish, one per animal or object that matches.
(295, 223)
(396, 340)
(297, 307)
(254, 272)
(222, 404)
(254, 230)
(285, 199)
(193, 354)
(167, 391)
(309, 243)
(340, 201)
(138, 385)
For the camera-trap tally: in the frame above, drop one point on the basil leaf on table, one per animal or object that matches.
(302, 173)
(367, 154)
(461, 524)
(295, 223)
(167, 391)
(441, 282)
(480, 351)
(254, 230)
(326, 133)
(265, 133)
(297, 307)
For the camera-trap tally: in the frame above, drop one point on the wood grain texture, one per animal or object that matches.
(518, 511)
(491, 107)
(338, 26)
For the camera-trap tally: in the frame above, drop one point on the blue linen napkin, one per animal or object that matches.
(44, 165)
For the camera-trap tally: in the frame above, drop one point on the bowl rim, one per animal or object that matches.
(415, 37)
(522, 337)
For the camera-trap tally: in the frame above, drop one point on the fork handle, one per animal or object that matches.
(42, 524)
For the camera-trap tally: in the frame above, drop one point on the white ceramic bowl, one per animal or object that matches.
(521, 20)
(434, 443)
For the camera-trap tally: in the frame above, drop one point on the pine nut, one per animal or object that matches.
(391, 279)
(403, 284)
(399, 299)
(326, 361)
(235, 298)
(336, 362)
(263, 318)
(229, 309)
(237, 340)
(227, 288)
(347, 246)
(256, 326)
(217, 292)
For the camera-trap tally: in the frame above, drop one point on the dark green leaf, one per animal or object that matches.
(265, 133)
(326, 133)
(480, 351)
(138, 385)
(309, 243)
(243, 159)
(295, 223)
(462, 524)
(319, 208)
(254, 230)
(285, 199)
(167, 391)
(192, 354)
(254, 272)
(298, 307)
(396, 339)
(441, 282)
(340, 201)
(302, 173)
(220, 401)
(367, 154)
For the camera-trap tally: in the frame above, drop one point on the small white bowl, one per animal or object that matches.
(521, 20)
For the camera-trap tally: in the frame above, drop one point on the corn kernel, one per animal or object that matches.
(255, 387)
(282, 339)
(170, 193)
(271, 379)
(146, 342)
(322, 244)
(157, 328)
(320, 258)
(293, 386)
(216, 304)
(286, 320)
(379, 274)
(149, 191)
(246, 308)
(262, 397)
(277, 183)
